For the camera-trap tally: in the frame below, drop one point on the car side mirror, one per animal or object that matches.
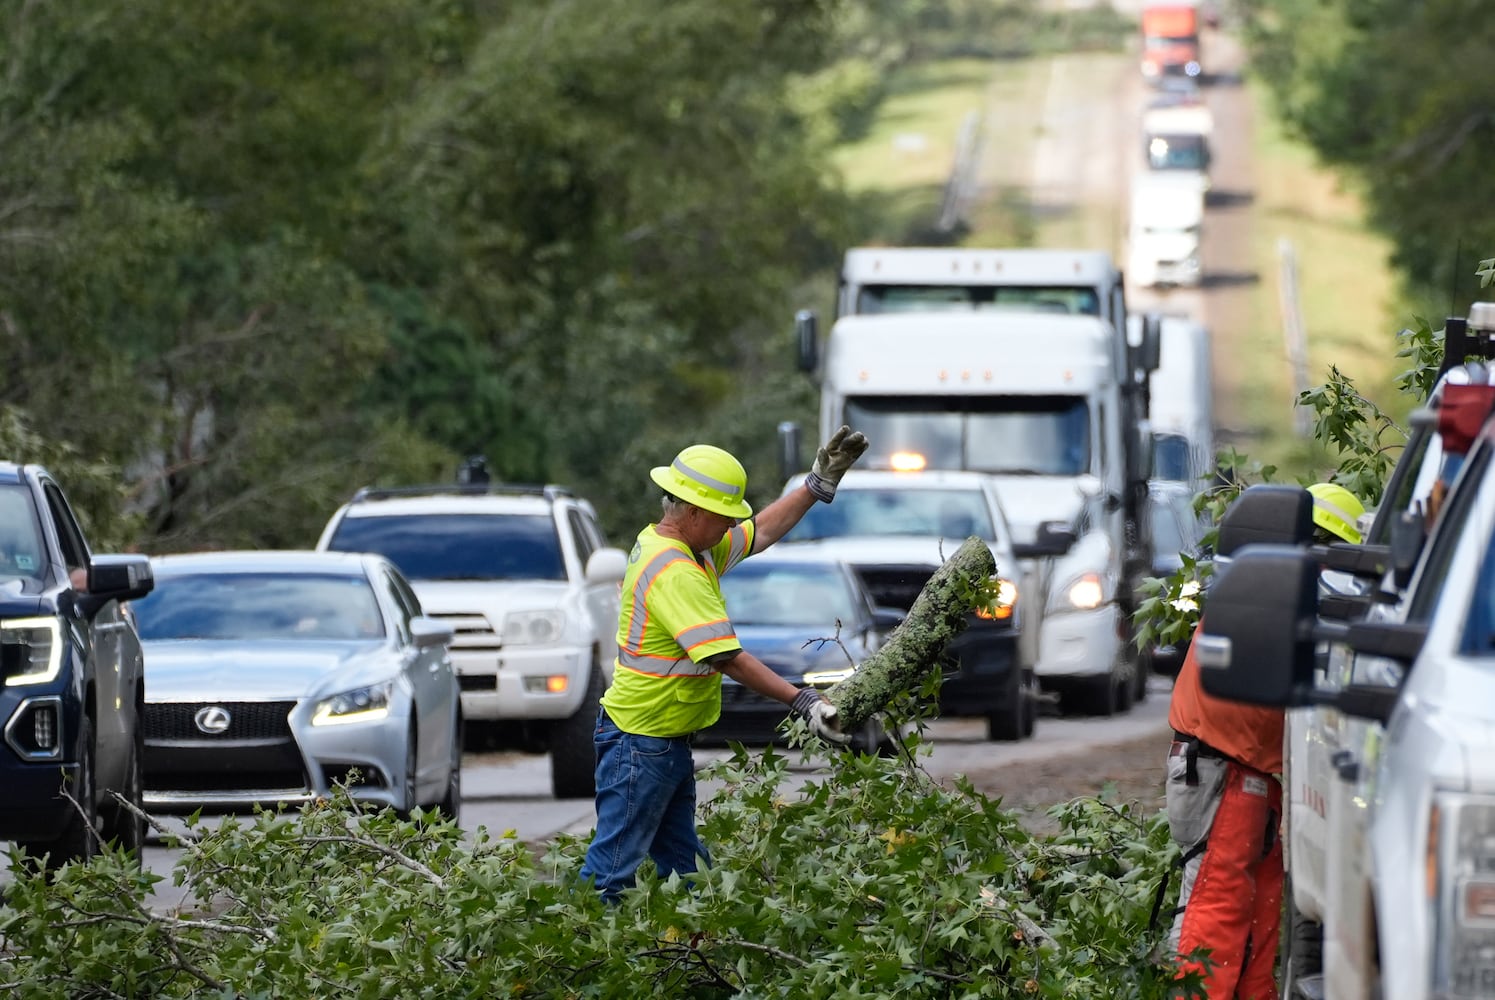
(430, 631)
(1255, 643)
(1267, 514)
(607, 565)
(1054, 538)
(887, 619)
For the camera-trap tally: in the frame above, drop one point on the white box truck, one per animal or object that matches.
(1164, 230)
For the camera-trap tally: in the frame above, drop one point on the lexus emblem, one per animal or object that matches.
(212, 720)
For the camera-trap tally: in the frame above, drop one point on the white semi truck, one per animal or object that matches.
(937, 289)
(1035, 400)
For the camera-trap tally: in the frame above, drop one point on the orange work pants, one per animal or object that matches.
(1232, 892)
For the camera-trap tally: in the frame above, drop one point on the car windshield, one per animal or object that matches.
(253, 606)
(937, 298)
(953, 513)
(1170, 458)
(1032, 435)
(459, 546)
(1176, 152)
(21, 550)
(767, 593)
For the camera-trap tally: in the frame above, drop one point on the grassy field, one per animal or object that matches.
(1347, 291)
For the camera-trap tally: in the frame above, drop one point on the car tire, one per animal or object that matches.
(1301, 955)
(79, 839)
(1030, 703)
(573, 765)
(409, 787)
(123, 827)
(1005, 724)
(450, 805)
(1143, 674)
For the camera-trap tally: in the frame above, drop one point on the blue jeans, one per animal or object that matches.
(646, 805)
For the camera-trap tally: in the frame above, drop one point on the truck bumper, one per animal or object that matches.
(517, 683)
(982, 682)
(1079, 644)
(33, 807)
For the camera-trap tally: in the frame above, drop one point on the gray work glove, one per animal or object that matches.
(832, 461)
(816, 709)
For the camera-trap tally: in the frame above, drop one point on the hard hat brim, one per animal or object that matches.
(665, 478)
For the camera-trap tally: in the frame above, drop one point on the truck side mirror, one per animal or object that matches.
(1408, 532)
(807, 340)
(1268, 514)
(1054, 538)
(116, 578)
(1256, 642)
(789, 452)
(1147, 354)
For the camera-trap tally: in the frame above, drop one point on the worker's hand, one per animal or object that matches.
(816, 709)
(832, 461)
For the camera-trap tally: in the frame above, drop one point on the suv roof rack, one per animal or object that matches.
(549, 491)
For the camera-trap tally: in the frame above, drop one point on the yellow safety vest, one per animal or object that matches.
(673, 617)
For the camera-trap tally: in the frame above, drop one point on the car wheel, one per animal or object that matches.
(1302, 947)
(79, 839)
(408, 785)
(124, 827)
(1144, 672)
(573, 766)
(1126, 687)
(1030, 703)
(1006, 722)
(450, 805)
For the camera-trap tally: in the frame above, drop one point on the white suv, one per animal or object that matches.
(531, 590)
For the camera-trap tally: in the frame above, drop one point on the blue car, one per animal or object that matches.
(811, 621)
(71, 678)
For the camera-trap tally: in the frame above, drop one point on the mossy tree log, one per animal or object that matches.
(939, 614)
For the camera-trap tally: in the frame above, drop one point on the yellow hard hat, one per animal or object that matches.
(1336, 509)
(707, 477)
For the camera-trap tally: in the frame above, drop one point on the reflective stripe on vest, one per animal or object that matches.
(638, 618)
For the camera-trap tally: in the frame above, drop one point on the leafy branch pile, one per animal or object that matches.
(869, 881)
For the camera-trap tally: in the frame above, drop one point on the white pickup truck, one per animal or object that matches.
(1389, 774)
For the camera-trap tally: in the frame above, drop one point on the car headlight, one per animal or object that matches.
(1461, 882)
(528, 628)
(825, 678)
(30, 650)
(1001, 606)
(1085, 592)
(365, 704)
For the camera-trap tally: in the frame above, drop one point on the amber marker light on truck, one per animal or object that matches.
(907, 461)
(1001, 608)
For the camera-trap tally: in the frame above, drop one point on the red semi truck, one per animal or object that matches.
(1170, 39)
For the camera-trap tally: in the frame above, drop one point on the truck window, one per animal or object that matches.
(1176, 152)
(977, 298)
(1036, 435)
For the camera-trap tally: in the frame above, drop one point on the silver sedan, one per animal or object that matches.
(272, 676)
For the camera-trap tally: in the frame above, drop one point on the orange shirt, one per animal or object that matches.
(1252, 734)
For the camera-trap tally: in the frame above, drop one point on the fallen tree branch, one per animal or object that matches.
(913, 649)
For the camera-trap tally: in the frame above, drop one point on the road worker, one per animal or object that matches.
(675, 642)
(1224, 804)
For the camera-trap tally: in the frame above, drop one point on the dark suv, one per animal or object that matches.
(71, 677)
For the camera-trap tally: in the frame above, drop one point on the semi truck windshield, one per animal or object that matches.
(1036, 435)
(977, 298)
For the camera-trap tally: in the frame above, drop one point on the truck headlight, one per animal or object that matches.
(1085, 592)
(1001, 606)
(1461, 882)
(365, 704)
(30, 650)
(533, 628)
